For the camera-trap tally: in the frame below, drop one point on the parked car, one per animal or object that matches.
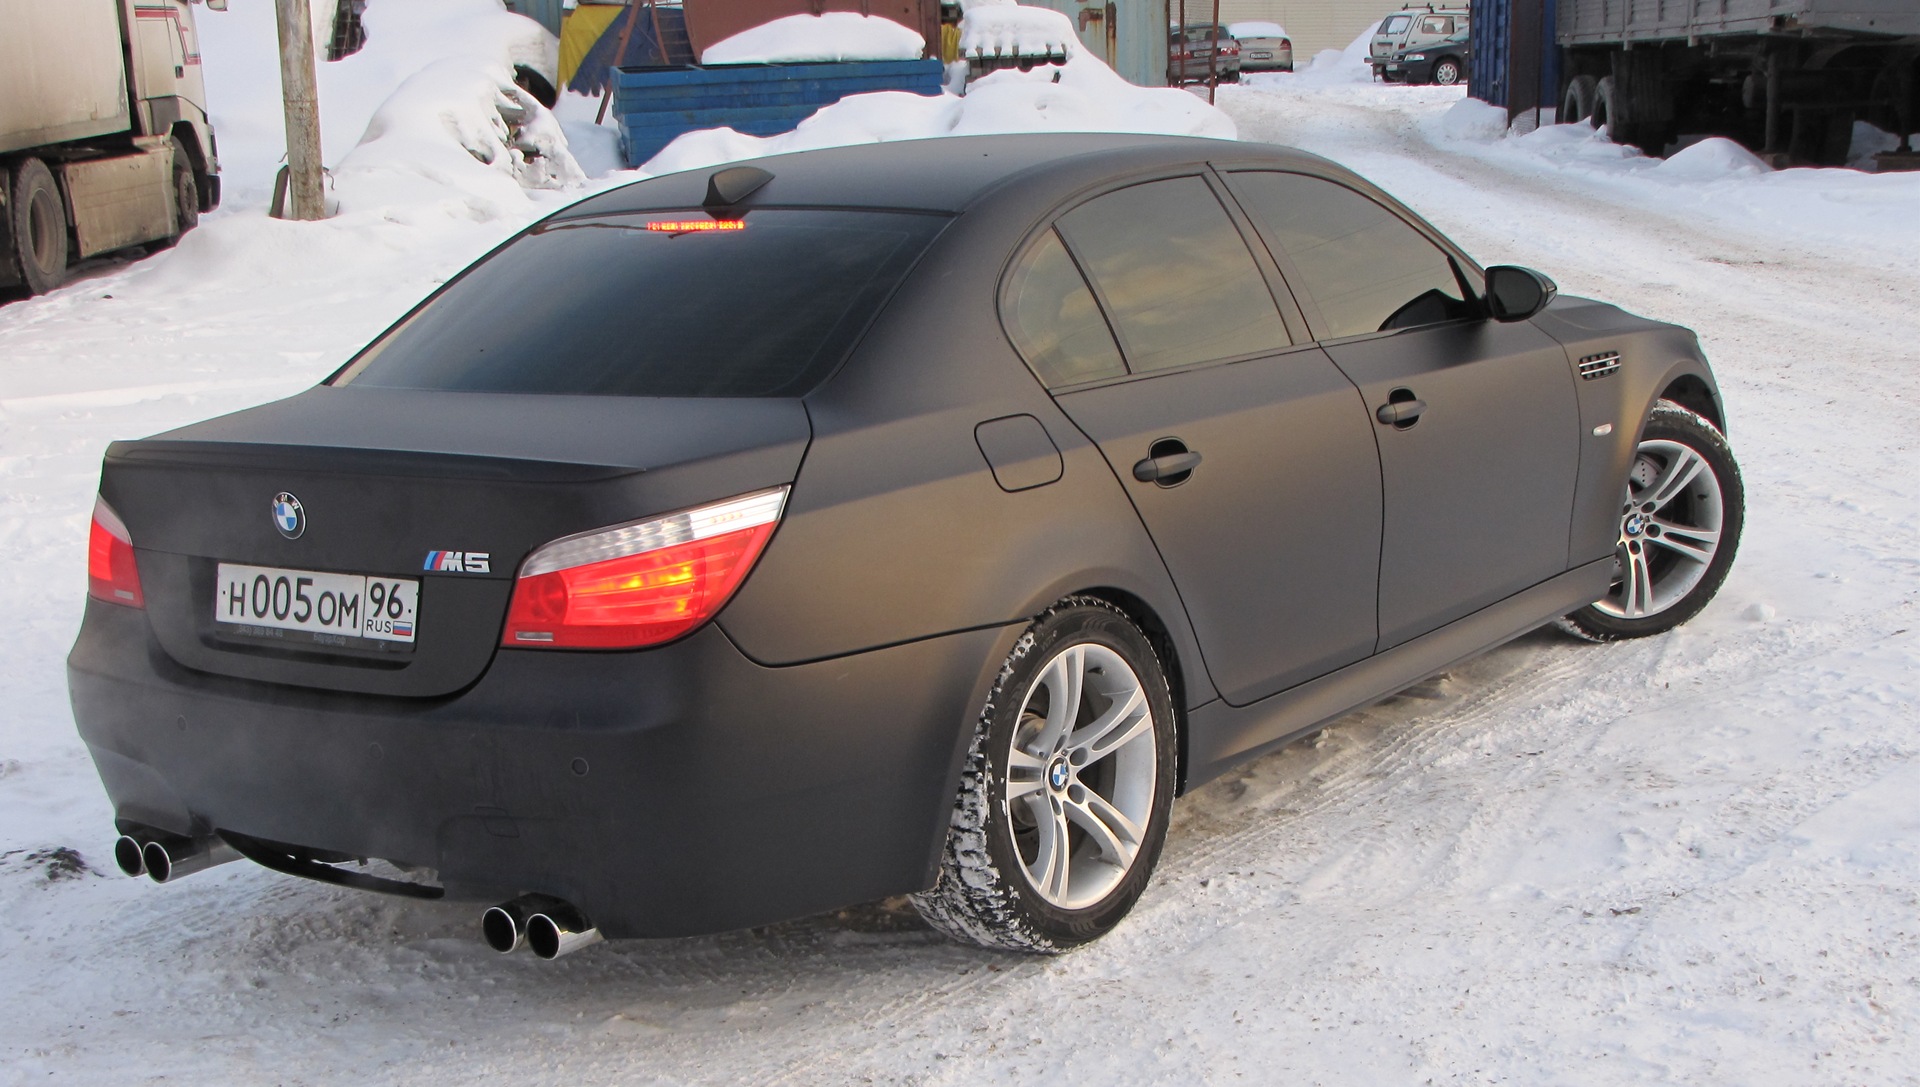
(1443, 63)
(907, 518)
(1191, 51)
(1409, 30)
(1264, 47)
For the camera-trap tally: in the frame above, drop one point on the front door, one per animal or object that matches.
(1476, 420)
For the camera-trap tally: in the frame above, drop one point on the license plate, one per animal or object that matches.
(329, 607)
(1263, 56)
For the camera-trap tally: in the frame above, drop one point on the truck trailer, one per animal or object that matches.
(1787, 78)
(104, 137)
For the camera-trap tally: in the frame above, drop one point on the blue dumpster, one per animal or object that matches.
(657, 104)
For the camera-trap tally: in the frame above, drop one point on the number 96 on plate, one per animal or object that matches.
(320, 604)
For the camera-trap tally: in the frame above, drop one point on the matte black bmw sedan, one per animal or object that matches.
(911, 518)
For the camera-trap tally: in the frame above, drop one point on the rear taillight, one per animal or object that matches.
(1286, 44)
(641, 583)
(111, 574)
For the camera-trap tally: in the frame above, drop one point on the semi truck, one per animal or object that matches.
(104, 137)
(1788, 78)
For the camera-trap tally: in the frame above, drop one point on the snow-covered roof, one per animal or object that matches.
(1256, 29)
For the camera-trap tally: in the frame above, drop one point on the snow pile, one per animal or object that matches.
(836, 35)
(464, 125)
(1013, 30)
(1080, 95)
(1711, 160)
(1472, 119)
(457, 129)
(1257, 29)
(1349, 65)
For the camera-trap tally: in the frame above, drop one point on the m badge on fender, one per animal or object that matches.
(458, 562)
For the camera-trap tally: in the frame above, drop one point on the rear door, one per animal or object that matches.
(1476, 420)
(1245, 451)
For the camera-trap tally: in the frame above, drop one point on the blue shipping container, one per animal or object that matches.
(657, 104)
(1515, 61)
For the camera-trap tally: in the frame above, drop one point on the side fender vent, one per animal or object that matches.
(1598, 366)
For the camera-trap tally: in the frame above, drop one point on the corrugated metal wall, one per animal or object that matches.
(1516, 63)
(545, 12)
(1313, 25)
(1130, 35)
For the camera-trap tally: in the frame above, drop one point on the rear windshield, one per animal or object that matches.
(656, 303)
(1395, 24)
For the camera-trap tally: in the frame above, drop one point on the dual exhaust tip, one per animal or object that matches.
(163, 858)
(548, 925)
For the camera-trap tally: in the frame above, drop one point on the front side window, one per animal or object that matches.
(1054, 320)
(656, 303)
(1365, 268)
(1177, 279)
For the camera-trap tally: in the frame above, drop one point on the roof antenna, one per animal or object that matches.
(728, 189)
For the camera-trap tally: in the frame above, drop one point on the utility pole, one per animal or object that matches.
(301, 94)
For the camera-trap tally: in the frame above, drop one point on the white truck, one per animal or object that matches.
(104, 138)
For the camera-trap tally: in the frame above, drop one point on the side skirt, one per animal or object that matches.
(1220, 736)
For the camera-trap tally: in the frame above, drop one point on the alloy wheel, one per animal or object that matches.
(1670, 526)
(1080, 775)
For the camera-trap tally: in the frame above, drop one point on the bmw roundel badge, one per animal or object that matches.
(289, 516)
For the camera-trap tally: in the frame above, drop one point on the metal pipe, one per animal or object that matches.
(562, 931)
(126, 854)
(170, 857)
(504, 927)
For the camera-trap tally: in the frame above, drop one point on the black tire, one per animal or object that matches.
(1446, 71)
(186, 192)
(986, 892)
(1661, 579)
(37, 228)
(1577, 104)
(1603, 102)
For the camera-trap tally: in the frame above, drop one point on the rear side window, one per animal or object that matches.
(1175, 275)
(658, 303)
(1437, 24)
(1365, 268)
(1054, 320)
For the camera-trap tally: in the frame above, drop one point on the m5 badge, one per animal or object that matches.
(458, 562)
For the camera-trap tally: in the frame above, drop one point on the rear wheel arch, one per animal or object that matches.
(1166, 647)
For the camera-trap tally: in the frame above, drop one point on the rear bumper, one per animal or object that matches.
(673, 791)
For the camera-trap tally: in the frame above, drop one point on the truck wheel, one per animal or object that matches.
(37, 226)
(186, 191)
(1601, 116)
(1577, 104)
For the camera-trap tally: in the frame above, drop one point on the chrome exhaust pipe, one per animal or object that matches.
(504, 927)
(126, 856)
(561, 931)
(170, 857)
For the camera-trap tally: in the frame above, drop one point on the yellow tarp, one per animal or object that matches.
(582, 27)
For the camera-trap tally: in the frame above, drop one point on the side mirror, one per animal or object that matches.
(1515, 293)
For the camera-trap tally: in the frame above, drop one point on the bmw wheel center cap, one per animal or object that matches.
(289, 516)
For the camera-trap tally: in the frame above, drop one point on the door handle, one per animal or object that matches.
(1156, 469)
(1399, 412)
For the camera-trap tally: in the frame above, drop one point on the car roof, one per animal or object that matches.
(945, 174)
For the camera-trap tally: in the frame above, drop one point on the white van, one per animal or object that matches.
(1412, 27)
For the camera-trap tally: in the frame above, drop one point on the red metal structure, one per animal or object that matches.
(710, 21)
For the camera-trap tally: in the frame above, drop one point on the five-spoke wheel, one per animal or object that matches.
(1680, 522)
(1063, 805)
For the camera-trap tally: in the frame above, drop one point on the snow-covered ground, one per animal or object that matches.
(1694, 859)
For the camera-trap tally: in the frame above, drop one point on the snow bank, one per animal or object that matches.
(404, 39)
(1081, 95)
(836, 35)
(1349, 65)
